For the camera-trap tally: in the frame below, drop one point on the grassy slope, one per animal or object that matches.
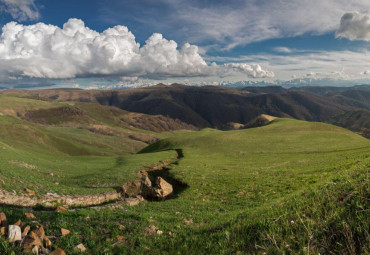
(81, 161)
(289, 187)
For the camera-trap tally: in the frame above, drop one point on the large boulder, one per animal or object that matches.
(163, 188)
(131, 189)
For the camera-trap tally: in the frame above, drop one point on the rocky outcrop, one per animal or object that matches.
(51, 200)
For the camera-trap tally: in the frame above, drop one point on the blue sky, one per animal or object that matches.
(127, 43)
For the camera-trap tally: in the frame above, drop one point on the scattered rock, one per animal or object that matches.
(58, 251)
(61, 209)
(3, 231)
(3, 221)
(30, 216)
(159, 232)
(188, 222)
(35, 250)
(26, 230)
(30, 192)
(121, 227)
(40, 232)
(14, 233)
(65, 232)
(80, 248)
(47, 242)
(150, 230)
(45, 250)
(132, 201)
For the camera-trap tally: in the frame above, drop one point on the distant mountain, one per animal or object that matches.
(326, 90)
(265, 90)
(207, 106)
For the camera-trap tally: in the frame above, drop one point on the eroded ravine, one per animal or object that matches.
(51, 200)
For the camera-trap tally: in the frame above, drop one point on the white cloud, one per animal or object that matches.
(240, 22)
(354, 26)
(47, 51)
(282, 50)
(349, 63)
(20, 10)
(254, 71)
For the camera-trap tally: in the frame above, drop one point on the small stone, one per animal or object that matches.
(80, 248)
(188, 222)
(150, 230)
(51, 174)
(18, 223)
(45, 250)
(132, 201)
(121, 227)
(159, 232)
(25, 231)
(3, 221)
(119, 237)
(47, 242)
(14, 233)
(61, 209)
(30, 216)
(3, 231)
(30, 192)
(65, 232)
(58, 251)
(40, 232)
(35, 250)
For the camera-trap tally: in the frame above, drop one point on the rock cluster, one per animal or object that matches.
(33, 240)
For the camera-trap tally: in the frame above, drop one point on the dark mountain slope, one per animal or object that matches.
(206, 106)
(358, 121)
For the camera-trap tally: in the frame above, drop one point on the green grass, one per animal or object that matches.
(290, 187)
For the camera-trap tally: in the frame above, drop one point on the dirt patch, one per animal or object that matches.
(22, 164)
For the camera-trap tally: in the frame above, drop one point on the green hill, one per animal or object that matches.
(74, 148)
(290, 187)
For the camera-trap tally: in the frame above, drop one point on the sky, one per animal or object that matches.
(102, 44)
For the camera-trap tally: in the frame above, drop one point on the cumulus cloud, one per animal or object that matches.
(20, 10)
(254, 71)
(354, 26)
(47, 51)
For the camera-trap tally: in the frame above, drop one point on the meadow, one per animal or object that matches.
(290, 187)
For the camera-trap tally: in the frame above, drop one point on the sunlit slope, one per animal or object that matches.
(71, 148)
(236, 168)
